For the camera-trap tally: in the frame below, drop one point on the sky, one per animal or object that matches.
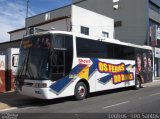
(13, 13)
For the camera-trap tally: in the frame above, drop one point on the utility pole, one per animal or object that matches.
(27, 7)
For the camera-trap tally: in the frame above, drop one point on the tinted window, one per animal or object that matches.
(68, 53)
(123, 52)
(98, 49)
(105, 50)
(86, 48)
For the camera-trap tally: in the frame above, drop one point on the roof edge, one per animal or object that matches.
(42, 23)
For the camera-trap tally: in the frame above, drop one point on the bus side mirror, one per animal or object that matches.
(15, 58)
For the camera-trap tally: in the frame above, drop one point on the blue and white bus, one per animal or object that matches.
(54, 64)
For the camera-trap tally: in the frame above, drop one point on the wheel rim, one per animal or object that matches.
(138, 84)
(81, 91)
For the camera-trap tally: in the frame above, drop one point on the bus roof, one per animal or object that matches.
(109, 40)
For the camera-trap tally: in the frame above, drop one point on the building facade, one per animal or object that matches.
(69, 18)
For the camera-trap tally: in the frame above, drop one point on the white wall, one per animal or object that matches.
(17, 35)
(63, 25)
(96, 22)
(79, 17)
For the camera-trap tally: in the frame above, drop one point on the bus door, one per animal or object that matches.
(62, 56)
(58, 62)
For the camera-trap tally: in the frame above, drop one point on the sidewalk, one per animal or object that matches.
(4, 106)
(156, 78)
(156, 82)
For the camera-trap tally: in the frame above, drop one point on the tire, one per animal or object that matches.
(137, 83)
(80, 91)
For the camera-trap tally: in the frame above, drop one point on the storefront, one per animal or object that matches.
(157, 62)
(155, 43)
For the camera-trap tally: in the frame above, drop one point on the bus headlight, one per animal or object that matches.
(40, 85)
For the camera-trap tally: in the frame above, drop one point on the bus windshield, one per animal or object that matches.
(44, 57)
(33, 61)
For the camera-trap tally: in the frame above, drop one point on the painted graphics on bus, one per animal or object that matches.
(144, 66)
(107, 73)
(116, 73)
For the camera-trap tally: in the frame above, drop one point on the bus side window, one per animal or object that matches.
(123, 52)
(68, 53)
(101, 50)
(105, 50)
(85, 48)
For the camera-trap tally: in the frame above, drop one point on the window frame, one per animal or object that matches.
(85, 30)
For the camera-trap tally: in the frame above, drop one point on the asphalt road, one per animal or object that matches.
(145, 100)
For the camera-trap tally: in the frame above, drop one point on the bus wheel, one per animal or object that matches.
(80, 91)
(137, 83)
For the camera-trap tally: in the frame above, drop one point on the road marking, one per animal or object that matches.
(155, 94)
(12, 108)
(116, 104)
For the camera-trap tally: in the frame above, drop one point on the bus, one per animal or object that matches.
(54, 64)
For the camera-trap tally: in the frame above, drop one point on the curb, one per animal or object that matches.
(12, 91)
(7, 109)
(4, 106)
(154, 83)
